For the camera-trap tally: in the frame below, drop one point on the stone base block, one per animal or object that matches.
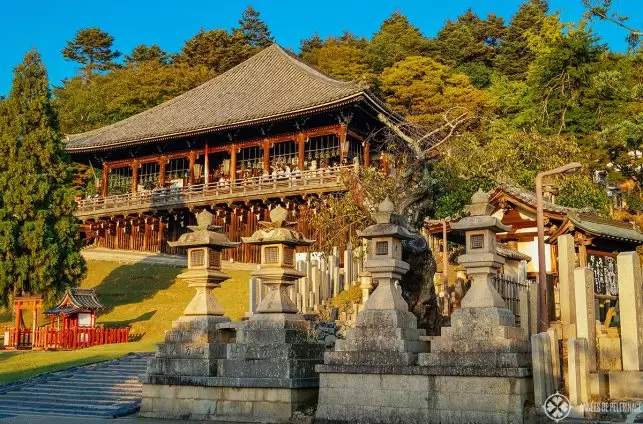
(608, 352)
(235, 404)
(626, 385)
(405, 398)
(599, 385)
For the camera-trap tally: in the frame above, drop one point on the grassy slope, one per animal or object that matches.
(147, 297)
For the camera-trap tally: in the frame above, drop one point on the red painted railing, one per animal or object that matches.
(74, 338)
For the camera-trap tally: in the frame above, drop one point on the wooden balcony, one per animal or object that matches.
(307, 182)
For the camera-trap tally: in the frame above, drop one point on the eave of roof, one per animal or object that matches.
(602, 228)
(241, 96)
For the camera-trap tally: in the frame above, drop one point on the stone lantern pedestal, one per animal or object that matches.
(192, 346)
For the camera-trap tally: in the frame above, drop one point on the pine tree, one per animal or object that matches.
(514, 54)
(396, 39)
(39, 250)
(92, 48)
(254, 30)
(142, 53)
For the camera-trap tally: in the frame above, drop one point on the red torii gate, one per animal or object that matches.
(20, 337)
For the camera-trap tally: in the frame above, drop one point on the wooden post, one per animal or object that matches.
(162, 163)
(192, 161)
(367, 153)
(266, 155)
(343, 142)
(233, 162)
(161, 236)
(301, 147)
(135, 166)
(206, 166)
(18, 316)
(105, 179)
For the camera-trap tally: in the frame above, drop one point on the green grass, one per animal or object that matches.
(146, 297)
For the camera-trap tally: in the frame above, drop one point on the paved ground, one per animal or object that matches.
(104, 390)
(130, 257)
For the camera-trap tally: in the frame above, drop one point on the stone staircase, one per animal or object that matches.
(107, 389)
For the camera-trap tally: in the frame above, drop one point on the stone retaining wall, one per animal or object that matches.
(247, 404)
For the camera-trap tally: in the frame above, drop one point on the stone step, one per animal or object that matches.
(88, 384)
(27, 410)
(102, 378)
(30, 393)
(55, 403)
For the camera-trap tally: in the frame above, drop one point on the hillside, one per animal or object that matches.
(147, 297)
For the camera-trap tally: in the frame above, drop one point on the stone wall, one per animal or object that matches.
(223, 403)
(406, 398)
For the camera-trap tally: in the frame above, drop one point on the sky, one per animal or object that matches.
(46, 25)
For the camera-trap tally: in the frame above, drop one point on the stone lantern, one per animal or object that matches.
(204, 245)
(278, 240)
(384, 243)
(191, 347)
(481, 260)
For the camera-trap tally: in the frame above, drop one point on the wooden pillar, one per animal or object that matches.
(135, 166)
(161, 236)
(162, 163)
(206, 166)
(105, 179)
(367, 153)
(301, 147)
(192, 161)
(343, 142)
(266, 155)
(233, 162)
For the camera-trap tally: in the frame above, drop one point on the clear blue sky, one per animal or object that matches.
(46, 24)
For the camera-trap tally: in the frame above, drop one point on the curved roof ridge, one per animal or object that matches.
(270, 84)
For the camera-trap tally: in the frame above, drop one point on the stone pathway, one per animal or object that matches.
(104, 390)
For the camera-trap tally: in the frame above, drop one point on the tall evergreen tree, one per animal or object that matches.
(217, 50)
(39, 250)
(92, 48)
(514, 54)
(254, 30)
(396, 39)
(143, 53)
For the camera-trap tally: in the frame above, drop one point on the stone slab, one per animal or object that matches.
(626, 385)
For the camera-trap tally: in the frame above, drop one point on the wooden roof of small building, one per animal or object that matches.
(271, 85)
(599, 227)
(77, 300)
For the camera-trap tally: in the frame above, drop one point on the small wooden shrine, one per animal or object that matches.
(76, 309)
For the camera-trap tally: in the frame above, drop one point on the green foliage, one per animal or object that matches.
(92, 48)
(39, 252)
(143, 53)
(347, 298)
(422, 88)
(216, 50)
(624, 142)
(578, 191)
(468, 40)
(396, 40)
(340, 57)
(514, 53)
(122, 93)
(254, 30)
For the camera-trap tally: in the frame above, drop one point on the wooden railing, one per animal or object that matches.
(510, 288)
(327, 178)
(46, 338)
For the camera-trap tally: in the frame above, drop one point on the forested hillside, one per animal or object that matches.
(543, 92)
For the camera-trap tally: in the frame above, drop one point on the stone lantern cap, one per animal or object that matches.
(278, 231)
(383, 226)
(479, 218)
(204, 234)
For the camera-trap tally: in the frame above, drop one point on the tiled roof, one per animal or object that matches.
(606, 228)
(270, 85)
(76, 299)
(529, 197)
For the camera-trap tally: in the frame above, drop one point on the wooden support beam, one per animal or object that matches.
(105, 179)
(301, 148)
(135, 167)
(367, 153)
(233, 162)
(192, 161)
(162, 163)
(266, 154)
(343, 142)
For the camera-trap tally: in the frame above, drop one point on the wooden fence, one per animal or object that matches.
(47, 338)
(510, 288)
